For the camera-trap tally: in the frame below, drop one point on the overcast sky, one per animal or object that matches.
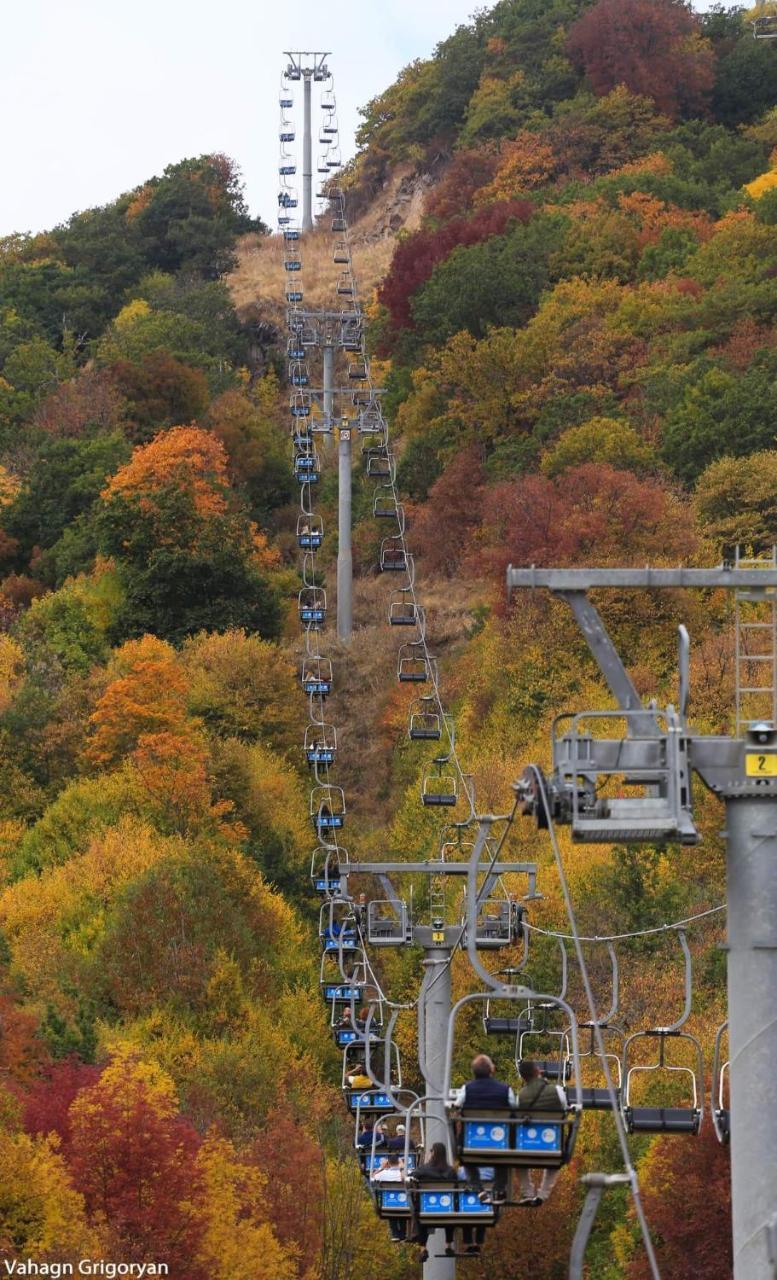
(97, 95)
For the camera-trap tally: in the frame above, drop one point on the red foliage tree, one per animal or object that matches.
(295, 1165)
(133, 1158)
(654, 47)
(416, 257)
(466, 174)
(590, 510)
(444, 526)
(22, 1053)
(48, 1101)
(700, 1177)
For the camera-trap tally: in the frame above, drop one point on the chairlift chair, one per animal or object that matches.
(322, 166)
(310, 532)
(337, 926)
(294, 295)
(311, 604)
(644, 1119)
(412, 663)
(425, 720)
(320, 744)
(345, 285)
(518, 1138)
(316, 676)
(597, 1097)
(307, 469)
(325, 868)
(439, 786)
(287, 135)
(339, 225)
(357, 370)
(287, 170)
(340, 972)
(327, 808)
(393, 556)
(649, 1119)
(559, 1065)
(385, 507)
(403, 611)
(295, 350)
(291, 234)
(380, 465)
(374, 1100)
(292, 264)
(300, 404)
(298, 375)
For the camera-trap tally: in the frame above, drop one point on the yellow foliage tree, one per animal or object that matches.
(41, 1215)
(238, 1242)
(11, 670)
(149, 696)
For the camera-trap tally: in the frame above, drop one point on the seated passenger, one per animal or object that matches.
(538, 1094)
(358, 1078)
(391, 1171)
(366, 1133)
(485, 1093)
(397, 1143)
(435, 1169)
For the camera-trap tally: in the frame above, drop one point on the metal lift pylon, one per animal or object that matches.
(438, 941)
(742, 771)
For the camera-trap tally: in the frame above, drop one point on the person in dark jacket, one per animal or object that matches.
(435, 1169)
(485, 1093)
(538, 1094)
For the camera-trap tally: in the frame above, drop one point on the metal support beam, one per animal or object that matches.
(307, 153)
(344, 554)
(752, 1011)
(440, 868)
(640, 579)
(618, 679)
(434, 1008)
(597, 1184)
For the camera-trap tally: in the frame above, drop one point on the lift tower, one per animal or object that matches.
(308, 67)
(658, 755)
(439, 939)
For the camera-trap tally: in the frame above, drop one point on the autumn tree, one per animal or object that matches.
(188, 557)
(654, 47)
(147, 696)
(133, 1158)
(42, 1215)
(736, 500)
(159, 391)
(703, 1230)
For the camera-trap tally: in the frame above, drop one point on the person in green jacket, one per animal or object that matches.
(538, 1094)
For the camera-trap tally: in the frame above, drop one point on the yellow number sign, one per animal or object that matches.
(761, 766)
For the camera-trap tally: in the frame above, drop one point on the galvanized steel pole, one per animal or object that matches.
(752, 1013)
(435, 1008)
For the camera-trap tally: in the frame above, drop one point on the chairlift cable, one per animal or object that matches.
(638, 933)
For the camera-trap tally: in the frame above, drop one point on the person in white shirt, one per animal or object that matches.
(392, 1171)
